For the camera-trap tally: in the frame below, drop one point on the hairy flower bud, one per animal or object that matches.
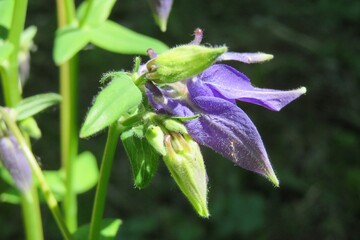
(186, 165)
(15, 162)
(155, 136)
(182, 62)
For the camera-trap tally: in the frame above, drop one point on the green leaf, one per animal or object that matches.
(116, 99)
(143, 158)
(69, 41)
(116, 38)
(55, 180)
(85, 176)
(10, 196)
(5, 50)
(30, 126)
(32, 105)
(98, 13)
(86, 172)
(109, 229)
(6, 8)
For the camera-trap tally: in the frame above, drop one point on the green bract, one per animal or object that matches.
(116, 99)
(182, 62)
(143, 158)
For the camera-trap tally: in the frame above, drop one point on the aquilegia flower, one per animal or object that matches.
(208, 99)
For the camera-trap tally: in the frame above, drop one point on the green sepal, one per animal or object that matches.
(143, 158)
(32, 105)
(116, 99)
(109, 228)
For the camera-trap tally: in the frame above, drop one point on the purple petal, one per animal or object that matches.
(164, 104)
(161, 10)
(232, 84)
(246, 57)
(226, 129)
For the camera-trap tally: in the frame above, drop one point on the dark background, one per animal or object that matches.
(314, 143)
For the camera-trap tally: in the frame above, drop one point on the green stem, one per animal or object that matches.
(69, 137)
(49, 197)
(101, 189)
(31, 213)
(12, 95)
(11, 92)
(68, 117)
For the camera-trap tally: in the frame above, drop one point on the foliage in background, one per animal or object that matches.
(316, 157)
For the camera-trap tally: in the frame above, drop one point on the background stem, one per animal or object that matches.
(49, 197)
(101, 189)
(12, 96)
(68, 117)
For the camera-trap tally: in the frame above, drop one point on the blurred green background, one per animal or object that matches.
(314, 143)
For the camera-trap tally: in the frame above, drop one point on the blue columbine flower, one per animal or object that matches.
(221, 124)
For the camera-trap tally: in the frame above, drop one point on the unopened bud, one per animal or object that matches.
(175, 126)
(155, 137)
(182, 62)
(186, 165)
(15, 162)
(161, 10)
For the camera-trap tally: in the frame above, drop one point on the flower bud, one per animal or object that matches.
(182, 62)
(161, 10)
(15, 162)
(175, 126)
(186, 165)
(155, 136)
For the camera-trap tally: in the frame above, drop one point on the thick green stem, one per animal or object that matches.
(68, 117)
(49, 197)
(69, 137)
(101, 189)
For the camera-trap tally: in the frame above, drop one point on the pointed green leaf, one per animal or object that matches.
(5, 50)
(116, 99)
(68, 42)
(143, 158)
(32, 105)
(116, 38)
(86, 172)
(109, 229)
(98, 13)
